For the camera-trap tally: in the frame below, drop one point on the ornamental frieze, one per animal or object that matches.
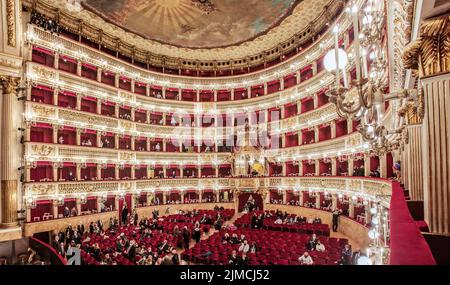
(128, 97)
(42, 111)
(42, 150)
(350, 186)
(40, 189)
(43, 73)
(127, 126)
(87, 153)
(247, 183)
(89, 187)
(127, 156)
(355, 185)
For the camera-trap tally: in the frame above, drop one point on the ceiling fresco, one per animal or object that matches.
(195, 23)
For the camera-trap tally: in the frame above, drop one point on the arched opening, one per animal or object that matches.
(245, 200)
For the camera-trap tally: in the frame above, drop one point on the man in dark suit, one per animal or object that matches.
(175, 258)
(254, 221)
(131, 251)
(124, 215)
(336, 214)
(186, 238)
(56, 245)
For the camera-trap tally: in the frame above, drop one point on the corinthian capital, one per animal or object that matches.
(430, 54)
(9, 84)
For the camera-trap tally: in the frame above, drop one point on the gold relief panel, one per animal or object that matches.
(353, 141)
(43, 72)
(275, 182)
(208, 182)
(290, 182)
(87, 153)
(377, 188)
(127, 156)
(128, 126)
(126, 186)
(43, 111)
(40, 189)
(354, 184)
(289, 123)
(77, 188)
(43, 150)
(224, 182)
(127, 96)
(251, 183)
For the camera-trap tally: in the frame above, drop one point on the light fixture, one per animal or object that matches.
(364, 98)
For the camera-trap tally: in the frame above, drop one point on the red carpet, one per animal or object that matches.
(408, 246)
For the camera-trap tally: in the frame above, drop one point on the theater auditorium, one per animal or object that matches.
(225, 133)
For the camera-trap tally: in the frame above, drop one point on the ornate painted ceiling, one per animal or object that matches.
(194, 23)
(285, 20)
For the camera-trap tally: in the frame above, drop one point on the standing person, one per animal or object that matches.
(136, 217)
(197, 232)
(186, 238)
(124, 215)
(336, 214)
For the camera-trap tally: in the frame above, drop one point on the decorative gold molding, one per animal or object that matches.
(277, 42)
(430, 54)
(11, 22)
(413, 111)
(9, 84)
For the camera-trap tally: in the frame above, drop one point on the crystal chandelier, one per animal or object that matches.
(363, 99)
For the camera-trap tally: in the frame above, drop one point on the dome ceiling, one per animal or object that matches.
(195, 23)
(233, 29)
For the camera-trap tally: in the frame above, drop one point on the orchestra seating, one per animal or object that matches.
(269, 224)
(274, 248)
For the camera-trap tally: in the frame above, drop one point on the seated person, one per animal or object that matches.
(243, 260)
(311, 244)
(305, 259)
(234, 239)
(233, 260)
(319, 246)
(226, 238)
(278, 221)
(244, 247)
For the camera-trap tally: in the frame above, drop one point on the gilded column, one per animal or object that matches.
(430, 56)
(9, 151)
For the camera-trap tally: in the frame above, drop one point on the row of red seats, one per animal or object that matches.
(269, 223)
(275, 249)
(227, 214)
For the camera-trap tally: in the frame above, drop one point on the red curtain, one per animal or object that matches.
(243, 198)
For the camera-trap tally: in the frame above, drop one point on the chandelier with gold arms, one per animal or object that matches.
(363, 99)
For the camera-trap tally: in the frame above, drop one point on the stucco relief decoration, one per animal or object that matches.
(11, 22)
(43, 150)
(430, 54)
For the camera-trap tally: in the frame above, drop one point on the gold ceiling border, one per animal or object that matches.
(78, 26)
